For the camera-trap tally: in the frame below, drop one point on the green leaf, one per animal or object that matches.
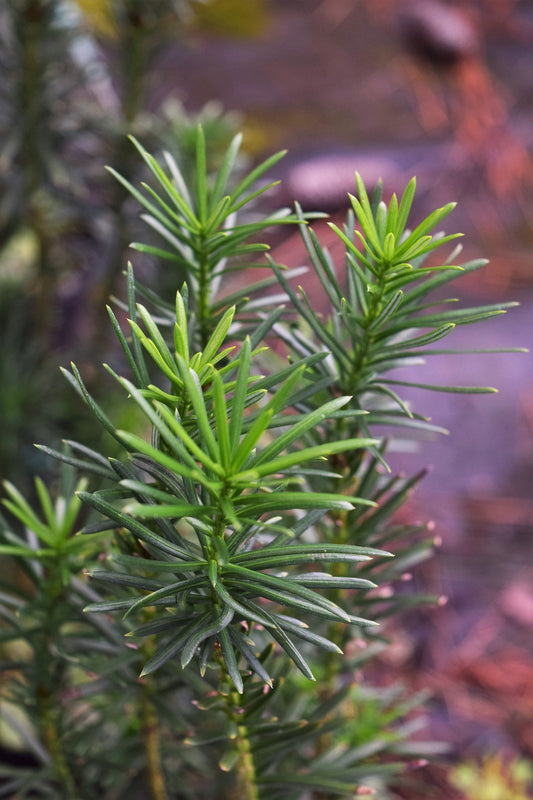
(323, 580)
(203, 424)
(195, 396)
(177, 179)
(170, 511)
(76, 381)
(184, 446)
(123, 520)
(364, 213)
(132, 313)
(141, 199)
(228, 654)
(389, 310)
(248, 610)
(200, 183)
(156, 337)
(221, 421)
(280, 501)
(125, 347)
(167, 595)
(445, 388)
(253, 176)
(122, 579)
(283, 590)
(303, 632)
(217, 338)
(322, 263)
(164, 181)
(94, 465)
(20, 508)
(427, 224)
(24, 552)
(226, 169)
(153, 565)
(106, 606)
(274, 557)
(426, 244)
(351, 247)
(239, 396)
(292, 651)
(392, 216)
(298, 457)
(169, 650)
(204, 631)
(46, 503)
(296, 431)
(174, 237)
(391, 349)
(158, 252)
(244, 648)
(458, 316)
(414, 295)
(404, 208)
(218, 216)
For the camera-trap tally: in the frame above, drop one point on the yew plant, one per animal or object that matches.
(196, 606)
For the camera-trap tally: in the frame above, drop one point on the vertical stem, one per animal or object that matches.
(151, 730)
(373, 311)
(244, 768)
(152, 744)
(133, 54)
(246, 782)
(204, 316)
(32, 29)
(47, 707)
(49, 672)
(134, 65)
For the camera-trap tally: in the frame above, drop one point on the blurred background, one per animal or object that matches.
(392, 88)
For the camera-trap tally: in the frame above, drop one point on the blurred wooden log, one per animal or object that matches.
(438, 33)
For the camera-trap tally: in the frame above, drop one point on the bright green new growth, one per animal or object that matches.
(199, 227)
(208, 473)
(249, 517)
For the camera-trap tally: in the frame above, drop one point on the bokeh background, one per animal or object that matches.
(392, 88)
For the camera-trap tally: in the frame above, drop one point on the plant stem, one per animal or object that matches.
(33, 26)
(244, 767)
(374, 307)
(152, 744)
(246, 780)
(151, 731)
(133, 55)
(205, 318)
(46, 704)
(49, 674)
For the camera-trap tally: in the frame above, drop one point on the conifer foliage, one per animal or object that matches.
(197, 603)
